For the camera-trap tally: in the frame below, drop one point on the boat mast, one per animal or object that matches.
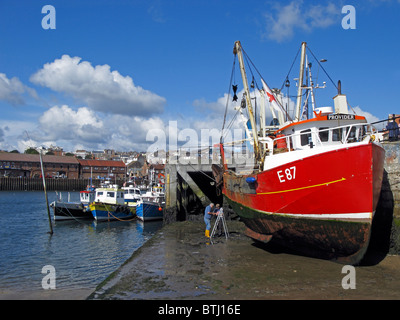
(311, 88)
(300, 84)
(238, 50)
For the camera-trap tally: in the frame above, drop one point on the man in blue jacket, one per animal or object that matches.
(207, 218)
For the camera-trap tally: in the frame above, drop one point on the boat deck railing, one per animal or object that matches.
(318, 137)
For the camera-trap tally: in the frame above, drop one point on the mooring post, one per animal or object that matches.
(45, 193)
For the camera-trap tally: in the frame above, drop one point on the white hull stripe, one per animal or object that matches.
(337, 216)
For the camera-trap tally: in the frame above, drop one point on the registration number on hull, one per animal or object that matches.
(287, 174)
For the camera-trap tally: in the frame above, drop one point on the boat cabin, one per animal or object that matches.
(319, 134)
(87, 197)
(132, 195)
(111, 195)
(323, 130)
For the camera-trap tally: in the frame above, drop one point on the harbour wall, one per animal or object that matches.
(387, 216)
(391, 187)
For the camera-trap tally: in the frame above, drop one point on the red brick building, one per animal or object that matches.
(28, 165)
(98, 169)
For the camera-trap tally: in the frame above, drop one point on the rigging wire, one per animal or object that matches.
(322, 67)
(291, 67)
(228, 98)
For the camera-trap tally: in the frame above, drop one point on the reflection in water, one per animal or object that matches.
(83, 253)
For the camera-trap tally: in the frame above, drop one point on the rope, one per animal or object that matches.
(229, 90)
(68, 212)
(294, 60)
(109, 213)
(322, 67)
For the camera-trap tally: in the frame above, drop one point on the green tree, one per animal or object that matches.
(31, 151)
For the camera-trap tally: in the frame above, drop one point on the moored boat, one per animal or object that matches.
(71, 210)
(109, 205)
(315, 181)
(148, 210)
(132, 196)
(151, 205)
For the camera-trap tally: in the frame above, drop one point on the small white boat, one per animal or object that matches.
(132, 195)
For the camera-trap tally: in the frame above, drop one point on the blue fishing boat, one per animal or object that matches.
(147, 210)
(151, 206)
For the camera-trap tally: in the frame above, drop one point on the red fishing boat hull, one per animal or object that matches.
(322, 205)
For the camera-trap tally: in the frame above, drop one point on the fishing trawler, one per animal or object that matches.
(315, 181)
(151, 206)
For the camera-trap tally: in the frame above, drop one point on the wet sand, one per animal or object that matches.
(180, 263)
(56, 294)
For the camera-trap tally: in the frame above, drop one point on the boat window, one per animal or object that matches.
(305, 137)
(110, 194)
(337, 135)
(352, 135)
(324, 134)
(100, 193)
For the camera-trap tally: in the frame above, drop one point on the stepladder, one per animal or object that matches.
(219, 225)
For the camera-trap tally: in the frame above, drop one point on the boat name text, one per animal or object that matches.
(288, 173)
(341, 117)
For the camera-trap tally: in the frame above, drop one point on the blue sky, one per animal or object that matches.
(113, 70)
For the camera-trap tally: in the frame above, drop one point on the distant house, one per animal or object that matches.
(81, 153)
(28, 165)
(99, 169)
(135, 169)
(157, 173)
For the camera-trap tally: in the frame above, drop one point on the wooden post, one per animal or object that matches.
(45, 193)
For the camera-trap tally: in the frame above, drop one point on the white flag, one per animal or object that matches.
(271, 97)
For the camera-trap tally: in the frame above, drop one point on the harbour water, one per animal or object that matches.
(83, 253)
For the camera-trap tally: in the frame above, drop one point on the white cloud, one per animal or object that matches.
(370, 117)
(99, 87)
(63, 123)
(85, 129)
(284, 20)
(15, 136)
(13, 90)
